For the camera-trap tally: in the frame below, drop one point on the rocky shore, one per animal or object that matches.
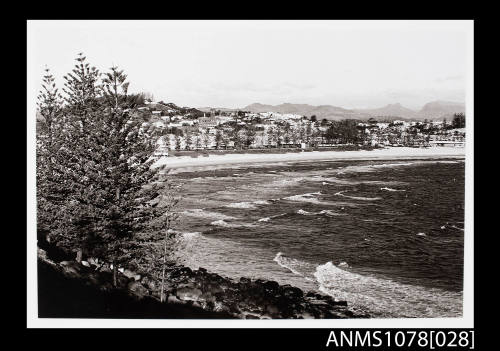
(190, 294)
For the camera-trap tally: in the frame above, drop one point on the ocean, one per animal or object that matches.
(386, 236)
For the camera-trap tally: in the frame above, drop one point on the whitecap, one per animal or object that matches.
(308, 197)
(322, 212)
(303, 212)
(267, 219)
(390, 189)
(200, 213)
(222, 223)
(330, 213)
(244, 204)
(262, 202)
(421, 234)
(340, 193)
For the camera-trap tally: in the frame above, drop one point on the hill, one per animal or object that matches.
(441, 109)
(390, 110)
(431, 110)
(322, 111)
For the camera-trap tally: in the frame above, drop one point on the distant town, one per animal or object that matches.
(184, 129)
(189, 129)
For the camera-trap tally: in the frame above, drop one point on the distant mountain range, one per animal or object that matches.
(433, 110)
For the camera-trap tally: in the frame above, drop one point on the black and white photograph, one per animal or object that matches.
(250, 173)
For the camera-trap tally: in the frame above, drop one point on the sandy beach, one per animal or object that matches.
(223, 161)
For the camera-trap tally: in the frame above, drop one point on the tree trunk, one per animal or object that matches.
(79, 255)
(162, 293)
(115, 268)
(115, 275)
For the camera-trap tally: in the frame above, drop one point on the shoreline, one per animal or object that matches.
(226, 161)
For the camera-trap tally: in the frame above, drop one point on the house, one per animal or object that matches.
(207, 122)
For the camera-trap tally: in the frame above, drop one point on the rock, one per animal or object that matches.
(188, 294)
(207, 297)
(42, 254)
(291, 292)
(212, 288)
(128, 273)
(272, 310)
(138, 289)
(251, 316)
(93, 261)
(106, 269)
(271, 287)
(148, 282)
(72, 268)
(173, 299)
(245, 281)
(307, 315)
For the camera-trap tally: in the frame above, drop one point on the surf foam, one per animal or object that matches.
(386, 298)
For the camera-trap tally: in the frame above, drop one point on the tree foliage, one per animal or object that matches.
(96, 189)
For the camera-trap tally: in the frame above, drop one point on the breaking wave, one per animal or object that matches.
(340, 193)
(310, 198)
(248, 204)
(381, 296)
(291, 264)
(267, 219)
(243, 204)
(222, 223)
(322, 212)
(200, 213)
(390, 189)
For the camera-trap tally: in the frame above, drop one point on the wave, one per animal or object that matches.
(249, 204)
(322, 212)
(387, 298)
(343, 264)
(328, 180)
(267, 219)
(244, 204)
(263, 202)
(421, 234)
(190, 235)
(291, 264)
(390, 189)
(200, 213)
(224, 224)
(340, 193)
(308, 197)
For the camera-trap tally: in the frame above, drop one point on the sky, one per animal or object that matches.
(351, 64)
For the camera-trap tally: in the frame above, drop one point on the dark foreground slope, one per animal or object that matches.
(60, 296)
(68, 289)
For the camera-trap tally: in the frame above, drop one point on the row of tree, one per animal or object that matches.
(244, 136)
(97, 194)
